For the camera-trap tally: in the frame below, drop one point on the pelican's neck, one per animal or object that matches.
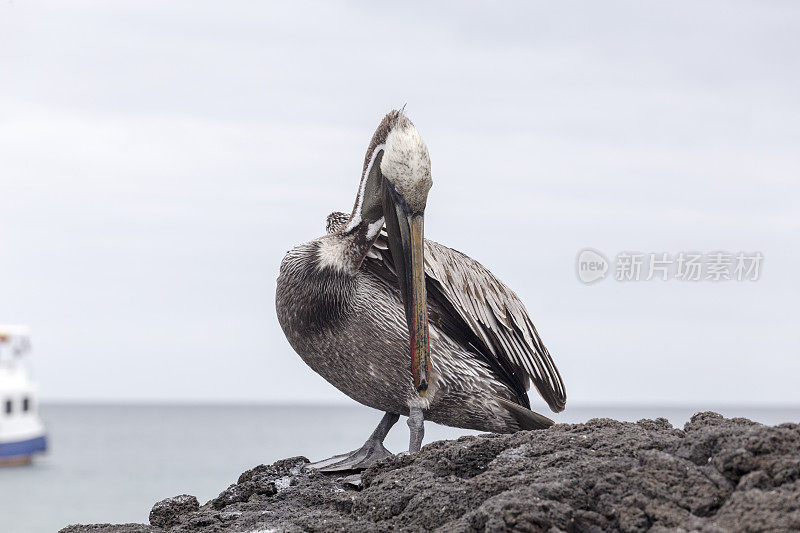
(345, 250)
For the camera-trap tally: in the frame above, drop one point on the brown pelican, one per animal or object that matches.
(352, 304)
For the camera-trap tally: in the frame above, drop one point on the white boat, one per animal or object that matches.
(22, 433)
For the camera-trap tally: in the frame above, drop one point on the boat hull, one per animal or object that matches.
(20, 452)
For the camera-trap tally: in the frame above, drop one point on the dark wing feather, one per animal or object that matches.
(480, 310)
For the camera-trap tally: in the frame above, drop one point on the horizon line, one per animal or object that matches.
(339, 404)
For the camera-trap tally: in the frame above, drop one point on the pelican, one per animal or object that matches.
(358, 301)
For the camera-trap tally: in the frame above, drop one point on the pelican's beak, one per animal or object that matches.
(406, 242)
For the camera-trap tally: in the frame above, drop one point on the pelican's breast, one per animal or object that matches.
(349, 328)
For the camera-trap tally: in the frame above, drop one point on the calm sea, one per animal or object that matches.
(111, 463)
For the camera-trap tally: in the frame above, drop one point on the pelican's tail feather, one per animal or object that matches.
(526, 418)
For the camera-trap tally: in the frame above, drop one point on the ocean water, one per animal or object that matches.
(110, 463)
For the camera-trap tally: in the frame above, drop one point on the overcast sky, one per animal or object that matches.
(157, 159)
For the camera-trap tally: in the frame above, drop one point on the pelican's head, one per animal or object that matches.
(406, 164)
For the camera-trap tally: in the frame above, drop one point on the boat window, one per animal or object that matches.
(26, 404)
(9, 407)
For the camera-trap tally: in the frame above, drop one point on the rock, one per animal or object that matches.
(262, 480)
(715, 475)
(172, 511)
(111, 528)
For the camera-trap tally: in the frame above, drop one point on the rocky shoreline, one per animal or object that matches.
(714, 475)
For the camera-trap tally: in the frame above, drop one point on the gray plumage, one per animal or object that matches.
(351, 330)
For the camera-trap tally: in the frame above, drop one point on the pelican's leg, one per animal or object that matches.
(372, 451)
(416, 425)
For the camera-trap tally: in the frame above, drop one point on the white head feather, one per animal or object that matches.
(406, 164)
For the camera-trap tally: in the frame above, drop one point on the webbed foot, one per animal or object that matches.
(370, 453)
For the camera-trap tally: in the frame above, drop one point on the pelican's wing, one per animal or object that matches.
(497, 317)
(471, 305)
(482, 310)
